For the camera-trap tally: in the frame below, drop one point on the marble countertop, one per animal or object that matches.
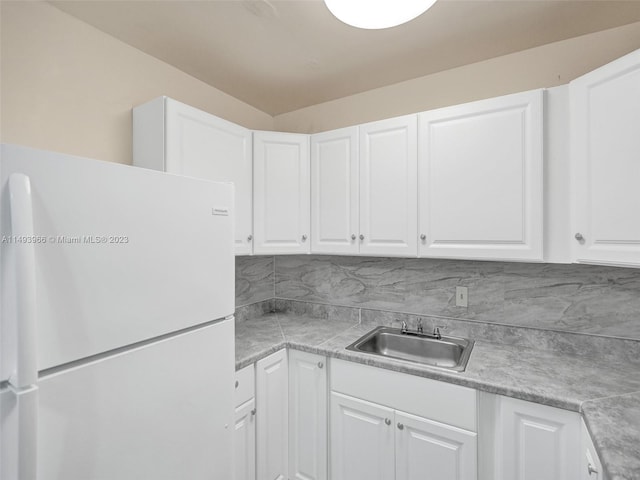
(607, 394)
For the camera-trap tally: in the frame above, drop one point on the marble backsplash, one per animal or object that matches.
(571, 298)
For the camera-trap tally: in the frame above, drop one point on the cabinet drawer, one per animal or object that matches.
(439, 401)
(245, 385)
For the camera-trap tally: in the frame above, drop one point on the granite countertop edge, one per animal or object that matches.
(614, 466)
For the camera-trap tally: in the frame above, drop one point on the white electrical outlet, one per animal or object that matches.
(462, 297)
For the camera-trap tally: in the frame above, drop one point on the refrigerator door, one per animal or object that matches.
(163, 411)
(122, 254)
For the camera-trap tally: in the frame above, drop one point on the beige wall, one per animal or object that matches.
(547, 66)
(67, 87)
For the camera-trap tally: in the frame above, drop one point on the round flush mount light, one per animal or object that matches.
(377, 14)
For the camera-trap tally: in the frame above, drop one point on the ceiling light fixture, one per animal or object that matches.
(377, 14)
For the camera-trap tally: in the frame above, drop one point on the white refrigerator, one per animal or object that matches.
(116, 327)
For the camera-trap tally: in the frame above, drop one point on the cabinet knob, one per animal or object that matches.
(423, 237)
(400, 426)
(253, 412)
(320, 364)
(353, 236)
(249, 238)
(361, 237)
(591, 470)
(579, 237)
(387, 421)
(304, 238)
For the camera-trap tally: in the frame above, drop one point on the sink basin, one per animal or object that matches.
(447, 353)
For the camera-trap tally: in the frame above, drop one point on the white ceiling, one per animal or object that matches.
(281, 55)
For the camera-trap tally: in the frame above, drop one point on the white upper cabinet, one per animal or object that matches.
(176, 138)
(481, 179)
(605, 141)
(388, 187)
(281, 193)
(334, 192)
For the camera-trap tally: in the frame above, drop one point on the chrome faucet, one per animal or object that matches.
(436, 332)
(420, 329)
(404, 327)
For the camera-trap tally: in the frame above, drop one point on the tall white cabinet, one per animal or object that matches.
(481, 179)
(335, 213)
(176, 138)
(281, 193)
(388, 187)
(307, 416)
(272, 395)
(605, 114)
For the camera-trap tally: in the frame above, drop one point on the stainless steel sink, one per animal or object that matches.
(447, 353)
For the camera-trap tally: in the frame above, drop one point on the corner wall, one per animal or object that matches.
(541, 67)
(70, 88)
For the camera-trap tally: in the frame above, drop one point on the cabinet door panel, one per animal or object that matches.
(281, 193)
(388, 187)
(481, 167)
(605, 114)
(590, 466)
(334, 191)
(272, 394)
(537, 442)
(204, 146)
(428, 450)
(245, 441)
(362, 444)
(307, 416)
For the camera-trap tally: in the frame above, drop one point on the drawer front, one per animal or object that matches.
(439, 401)
(245, 385)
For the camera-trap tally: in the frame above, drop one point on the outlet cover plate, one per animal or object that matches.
(462, 297)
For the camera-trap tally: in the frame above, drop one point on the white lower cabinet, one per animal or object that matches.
(387, 425)
(536, 442)
(362, 440)
(245, 425)
(272, 394)
(590, 467)
(431, 450)
(245, 441)
(371, 441)
(307, 416)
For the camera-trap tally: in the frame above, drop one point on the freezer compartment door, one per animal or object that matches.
(122, 254)
(161, 412)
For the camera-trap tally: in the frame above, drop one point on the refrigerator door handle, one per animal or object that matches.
(26, 369)
(20, 434)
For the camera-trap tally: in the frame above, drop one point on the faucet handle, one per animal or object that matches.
(436, 331)
(419, 328)
(404, 327)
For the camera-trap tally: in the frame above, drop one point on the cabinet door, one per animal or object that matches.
(481, 179)
(281, 193)
(307, 416)
(204, 146)
(605, 114)
(537, 442)
(334, 191)
(362, 444)
(428, 450)
(272, 412)
(590, 466)
(245, 441)
(388, 187)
